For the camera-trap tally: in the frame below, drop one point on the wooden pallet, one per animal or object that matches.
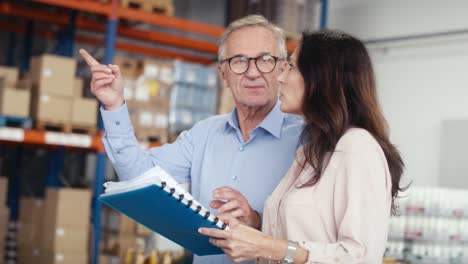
(12, 121)
(66, 127)
(154, 6)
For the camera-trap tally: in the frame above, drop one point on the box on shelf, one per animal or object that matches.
(9, 74)
(4, 218)
(84, 112)
(31, 210)
(128, 67)
(66, 221)
(78, 88)
(67, 208)
(29, 234)
(51, 257)
(53, 75)
(158, 70)
(13, 101)
(51, 108)
(28, 254)
(3, 190)
(149, 124)
(115, 222)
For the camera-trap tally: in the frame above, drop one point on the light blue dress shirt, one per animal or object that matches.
(210, 155)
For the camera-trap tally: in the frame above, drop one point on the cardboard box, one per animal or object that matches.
(29, 234)
(108, 259)
(129, 68)
(84, 112)
(116, 222)
(31, 210)
(67, 208)
(9, 74)
(51, 257)
(158, 70)
(149, 124)
(73, 241)
(142, 230)
(3, 190)
(4, 218)
(78, 88)
(28, 254)
(14, 102)
(47, 107)
(53, 75)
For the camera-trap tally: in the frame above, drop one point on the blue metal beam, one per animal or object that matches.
(27, 48)
(324, 15)
(111, 36)
(66, 38)
(11, 51)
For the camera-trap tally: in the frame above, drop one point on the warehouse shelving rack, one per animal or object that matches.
(69, 23)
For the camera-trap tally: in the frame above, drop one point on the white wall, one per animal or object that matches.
(421, 82)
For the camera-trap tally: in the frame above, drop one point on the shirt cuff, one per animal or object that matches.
(116, 121)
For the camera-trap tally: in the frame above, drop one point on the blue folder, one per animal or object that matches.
(163, 213)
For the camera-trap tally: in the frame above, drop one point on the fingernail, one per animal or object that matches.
(200, 230)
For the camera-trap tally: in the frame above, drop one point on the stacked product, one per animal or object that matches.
(147, 90)
(194, 95)
(121, 235)
(14, 94)
(31, 214)
(432, 227)
(65, 226)
(56, 95)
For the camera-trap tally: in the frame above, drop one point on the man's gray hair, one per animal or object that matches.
(253, 21)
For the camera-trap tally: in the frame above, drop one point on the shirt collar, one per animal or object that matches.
(272, 122)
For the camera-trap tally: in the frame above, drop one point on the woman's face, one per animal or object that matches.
(291, 87)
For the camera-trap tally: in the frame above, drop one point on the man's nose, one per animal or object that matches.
(252, 72)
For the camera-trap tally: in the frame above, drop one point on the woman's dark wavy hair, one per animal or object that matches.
(340, 93)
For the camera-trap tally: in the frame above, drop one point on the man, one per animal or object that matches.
(234, 161)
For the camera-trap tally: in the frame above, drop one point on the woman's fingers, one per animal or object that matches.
(213, 232)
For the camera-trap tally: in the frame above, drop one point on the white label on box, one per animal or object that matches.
(45, 98)
(60, 232)
(191, 77)
(166, 75)
(74, 140)
(11, 134)
(142, 93)
(161, 120)
(59, 257)
(151, 71)
(211, 79)
(145, 119)
(46, 72)
(128, 89)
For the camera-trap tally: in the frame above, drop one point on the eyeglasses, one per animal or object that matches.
(240, 64)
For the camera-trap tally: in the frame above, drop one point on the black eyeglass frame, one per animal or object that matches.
(276, 58)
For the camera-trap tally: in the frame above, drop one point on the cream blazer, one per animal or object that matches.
(343, 218)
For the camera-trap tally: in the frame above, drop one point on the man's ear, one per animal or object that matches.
(222, 75)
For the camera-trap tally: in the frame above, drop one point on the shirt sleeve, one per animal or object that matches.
(362, 199)
(130, 160)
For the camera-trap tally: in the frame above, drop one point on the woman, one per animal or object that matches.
(334, 204)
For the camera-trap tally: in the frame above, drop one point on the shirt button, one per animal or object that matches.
(117, 122)
(241, 149)
(234, 177)
(118, 151)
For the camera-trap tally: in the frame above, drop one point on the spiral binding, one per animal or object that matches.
(190, 203)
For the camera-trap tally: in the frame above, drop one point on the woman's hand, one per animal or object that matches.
(239, 242)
